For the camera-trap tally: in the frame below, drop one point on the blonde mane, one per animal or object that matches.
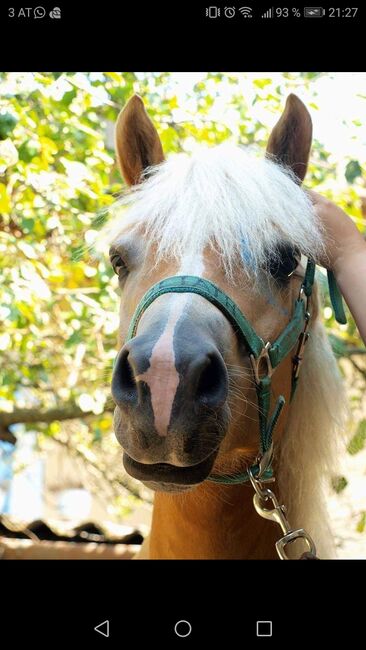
(309, 448)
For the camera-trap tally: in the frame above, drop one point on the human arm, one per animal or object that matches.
(345, 256)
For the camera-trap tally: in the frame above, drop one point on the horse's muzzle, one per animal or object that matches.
(172, 411)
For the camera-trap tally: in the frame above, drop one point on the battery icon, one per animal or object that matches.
(314, 12)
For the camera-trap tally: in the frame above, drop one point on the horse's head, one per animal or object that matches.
(183, 385)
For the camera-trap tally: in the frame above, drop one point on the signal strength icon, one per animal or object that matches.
(268, 14)
(246, 12)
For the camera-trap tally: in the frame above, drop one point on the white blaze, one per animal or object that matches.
(162, 376)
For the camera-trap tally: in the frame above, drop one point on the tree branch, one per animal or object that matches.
(351, 351)
(357, 367)
(116, 482)
(69, 411)
(6, 435)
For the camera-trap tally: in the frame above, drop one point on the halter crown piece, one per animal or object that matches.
(264, 357)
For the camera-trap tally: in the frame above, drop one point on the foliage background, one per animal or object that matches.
(58, 304)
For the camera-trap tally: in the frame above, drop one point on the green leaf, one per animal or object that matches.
(339, 483)
(7, 124)
(75, 338)
(68, 97)
(262, 83)
(353, 171)
(97, 437)
(27, 224)
(361, 525)
(358, 441)
(28, 150)
(339, 346)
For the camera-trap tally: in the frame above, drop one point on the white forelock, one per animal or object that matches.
(224, 196)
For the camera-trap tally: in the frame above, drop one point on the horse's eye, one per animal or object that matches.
(118, 264)
(282, 265)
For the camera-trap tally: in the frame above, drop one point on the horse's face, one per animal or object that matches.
(183, 383)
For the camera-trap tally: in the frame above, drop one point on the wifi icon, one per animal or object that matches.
(246, 12)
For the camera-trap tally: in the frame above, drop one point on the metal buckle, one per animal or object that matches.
(276, 514)
(257, 483)
(264, 354)
(290, 537)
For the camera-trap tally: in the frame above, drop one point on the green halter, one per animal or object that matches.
(268, 354)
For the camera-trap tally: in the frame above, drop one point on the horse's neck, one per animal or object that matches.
(210, 522)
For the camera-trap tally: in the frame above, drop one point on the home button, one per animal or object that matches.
(183, 628)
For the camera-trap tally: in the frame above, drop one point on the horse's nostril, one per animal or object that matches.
(212, 383)
(128, 379)
(123, 382)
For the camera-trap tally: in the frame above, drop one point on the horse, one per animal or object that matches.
(220, 237)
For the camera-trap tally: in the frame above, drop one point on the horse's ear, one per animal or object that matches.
(137, 142)
(290, 140)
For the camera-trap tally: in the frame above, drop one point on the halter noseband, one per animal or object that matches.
(261, 353)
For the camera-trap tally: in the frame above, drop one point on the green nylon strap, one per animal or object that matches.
(334, 293)
(240, 478)
(309, 278)
(192, 284)
(264, 401)
(287, 339)
(272, 423)
(336, 299)
(212, 293)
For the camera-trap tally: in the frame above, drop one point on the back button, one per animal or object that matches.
(103, 628)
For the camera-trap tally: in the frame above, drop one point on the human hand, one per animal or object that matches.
(342, 238)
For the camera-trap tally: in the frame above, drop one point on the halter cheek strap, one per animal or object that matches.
(264, 357)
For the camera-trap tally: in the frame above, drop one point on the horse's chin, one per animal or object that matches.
(172, 488)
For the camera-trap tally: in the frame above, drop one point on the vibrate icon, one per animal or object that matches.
(213, 12)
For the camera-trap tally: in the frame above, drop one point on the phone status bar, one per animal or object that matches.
(214, 12)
